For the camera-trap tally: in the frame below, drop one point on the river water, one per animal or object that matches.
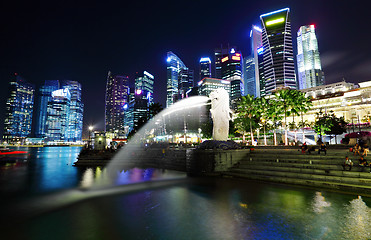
(173, 207)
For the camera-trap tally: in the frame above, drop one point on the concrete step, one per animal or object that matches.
(283, 159)
(251, 164)
(357, 172)
(341, 178)
(304, 182)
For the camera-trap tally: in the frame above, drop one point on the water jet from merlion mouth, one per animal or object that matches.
(177, 121)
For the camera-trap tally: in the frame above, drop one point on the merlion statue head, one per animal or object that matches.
(221, 113)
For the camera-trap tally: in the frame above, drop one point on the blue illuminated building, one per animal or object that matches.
(205, 68)
(44, 96)
(19, 109)
(60, 111)
(278, 57)
(174, 67)
(76, 110)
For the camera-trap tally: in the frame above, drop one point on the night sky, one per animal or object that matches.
(82, 41)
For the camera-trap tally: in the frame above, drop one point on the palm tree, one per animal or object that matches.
(263, 109)
(274, 114)
(247, 110)
(285, 100)
(303, 105)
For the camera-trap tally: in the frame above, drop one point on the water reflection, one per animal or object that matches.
(357, 220)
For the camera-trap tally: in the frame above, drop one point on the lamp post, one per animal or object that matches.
(90, 131)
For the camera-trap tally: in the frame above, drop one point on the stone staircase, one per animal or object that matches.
(290, 166)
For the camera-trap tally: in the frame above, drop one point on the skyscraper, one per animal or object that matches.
(278, 57)
(76, 110)
(60, 111)
(58, 116)
(177, 73)
(145, 83)
(44, 97)
(205, 68)
(249, 75)
(219, 54)
(253, 83)
(117, 95)
(310, 72)
(232, 70)
(19, 108)
(143, 97)
(185, 82)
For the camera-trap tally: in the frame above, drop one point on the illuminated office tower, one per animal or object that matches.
(44, 97)
(310, 72)
(143, 97)
(205, 67)
(19, 108)
(117, 95)
(232, 70)
(58, 116)
(144, 83)
(219, 54)
(278, 57)
(174, 66)
(250, 79)
(254, 81)
(76, 111)
(185, 82)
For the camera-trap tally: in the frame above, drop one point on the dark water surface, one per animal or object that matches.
(191, 209)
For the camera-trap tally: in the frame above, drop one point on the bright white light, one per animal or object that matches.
(148, 74)
(205, 59)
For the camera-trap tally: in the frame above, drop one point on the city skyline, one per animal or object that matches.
(65, 48)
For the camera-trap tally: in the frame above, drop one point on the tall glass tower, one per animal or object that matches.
(44, 96)
(205, 67)
(19, 108)
(255, 86)
(76, 111)
(117, 95)
(232, 70)
(310, 72)
(278, 57)
(174, 66)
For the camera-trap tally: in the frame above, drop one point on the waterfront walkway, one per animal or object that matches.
(288, 165)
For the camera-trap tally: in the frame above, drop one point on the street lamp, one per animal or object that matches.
(90, 131)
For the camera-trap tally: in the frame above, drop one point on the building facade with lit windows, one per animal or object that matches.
(278, 57)
(348, 100)
(253, 64)
(207, 85)
(232, 70)
(58, 116)
(185, 82)
(117, 95)
(144, 83)
(60, 111)
(44, 97)
(205, 68)
(310, 72)
(174, 67)
(18, 111)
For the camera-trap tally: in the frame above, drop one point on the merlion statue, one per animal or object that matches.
(220, 113)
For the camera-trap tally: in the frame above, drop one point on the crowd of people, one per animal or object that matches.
(360, 150)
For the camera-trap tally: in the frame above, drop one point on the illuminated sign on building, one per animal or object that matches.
(225, 59)
(275, 21)
(61, 93)
(225, 82)
(237, 58)
(205, 59)
(138, 91)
